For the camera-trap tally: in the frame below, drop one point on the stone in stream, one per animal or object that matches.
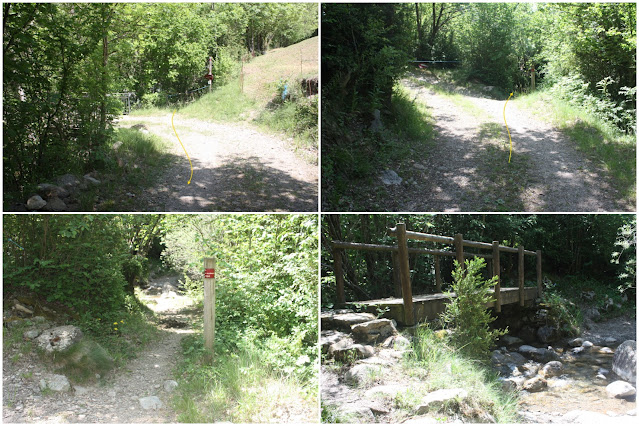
(576, 342)
(434, 400)
(536, 384)
(538, 354)
(510, 341)
(551, 369)
(624, 362)
(150, 403)
(620, 389)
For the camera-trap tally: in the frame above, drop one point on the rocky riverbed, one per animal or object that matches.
(584, 379)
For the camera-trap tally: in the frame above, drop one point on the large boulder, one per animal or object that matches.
(350, 353)
(69, 182)
(434, 400)
(55, 382)
(343, 320)
(49, 191)
(330, 337)
(624, 361)
(59, 338)
(547, 334)
(538, 354)
(55, 204)
(551, 369)
(36, 203)
(620, 389)
(150, 403)
(375, 330)
(536, 384)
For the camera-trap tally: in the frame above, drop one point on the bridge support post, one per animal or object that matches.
(404, 273)
(459, 249)
(539, 289)
(522, 296)
(438, 275)
(496, 273)
(339, 275)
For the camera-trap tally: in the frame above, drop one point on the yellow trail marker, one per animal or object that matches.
(187, 154)
(511, 141)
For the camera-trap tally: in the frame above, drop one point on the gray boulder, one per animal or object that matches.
(344, 321)
(330, 337)
(49, 190)
(434, 400)
(150, 403)
(90, 180)
(551, 369)
(31, 334)
(374, 330)
(55, 382)
(390, 177)
(59, 338)
(55, 204)
(624, 361)
(360, 373)
(538, 354)
(620, 389)
(547, 334)
(350, 353)
(536, 384)
(36, 203)
(69, 182)
(510, 341)
(576, 342)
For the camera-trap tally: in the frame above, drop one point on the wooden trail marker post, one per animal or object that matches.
(209, 304)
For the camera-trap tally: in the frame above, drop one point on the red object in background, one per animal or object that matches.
(209, 273)
(209, 76)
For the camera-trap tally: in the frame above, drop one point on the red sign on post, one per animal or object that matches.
(209, 273)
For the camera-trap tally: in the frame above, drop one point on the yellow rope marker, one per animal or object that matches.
(511, 141)
(187, 154)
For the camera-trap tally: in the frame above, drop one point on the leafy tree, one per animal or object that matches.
(466, 313)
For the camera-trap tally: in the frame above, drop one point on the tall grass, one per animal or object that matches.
(238, 387)
(599, 140)
(225, 103)
(447, 368)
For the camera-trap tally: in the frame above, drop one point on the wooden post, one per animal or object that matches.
(532, 78)
(438, 275)
(539, 287)
(404, 273)
(209, 303)
(242, 76)
(496, 273)
(459, 249)
(522, 297)
(339, 275)
(397, 281)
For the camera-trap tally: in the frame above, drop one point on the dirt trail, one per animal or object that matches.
(235, 168)
(116, 400)
(462, 172)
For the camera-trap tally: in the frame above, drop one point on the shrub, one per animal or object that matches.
(466, 314)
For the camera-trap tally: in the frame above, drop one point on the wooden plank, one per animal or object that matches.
(209, 303)
(404, 273)
(363, 246)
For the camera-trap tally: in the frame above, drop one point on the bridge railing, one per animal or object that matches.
(401, 269)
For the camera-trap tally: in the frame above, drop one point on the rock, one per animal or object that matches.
(329, 337)
(36, 203)
(31, 334)
(538, 354)
(59, 338)
(69, 182)
(55, 204)
(150, 403)
(116, 145)
(90, 180)
(511, 384)
(344, 321)
(423, 420)
(576, 342)
(620, 389)
(361, 413)
(350, 353)
(610, 341)
(55, 382)
(80, 390)
(389, 177)
(170, 385)
(529, 369)
(624, 362)
(360, 373)
(547, 334)
(536, 384)
(510, 341)
(375, 330)
(389, 391)
(376, 124)
(587, 344)
(551, 369)
(396, 342)
(19, 307)
(49, 191)
(434, 400)
(592, 314)
(605, 350)
(580, 416)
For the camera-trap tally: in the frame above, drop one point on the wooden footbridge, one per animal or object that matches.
(410, 308)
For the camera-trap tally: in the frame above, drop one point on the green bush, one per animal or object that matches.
(466, 314)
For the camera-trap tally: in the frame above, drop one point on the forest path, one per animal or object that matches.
(468, 169)
(116, 399)
(235, 168)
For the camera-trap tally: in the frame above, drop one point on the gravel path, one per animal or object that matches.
(116, 400)
(235, 168)
(464, 170)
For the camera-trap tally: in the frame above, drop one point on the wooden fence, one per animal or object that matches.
(401, 269)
